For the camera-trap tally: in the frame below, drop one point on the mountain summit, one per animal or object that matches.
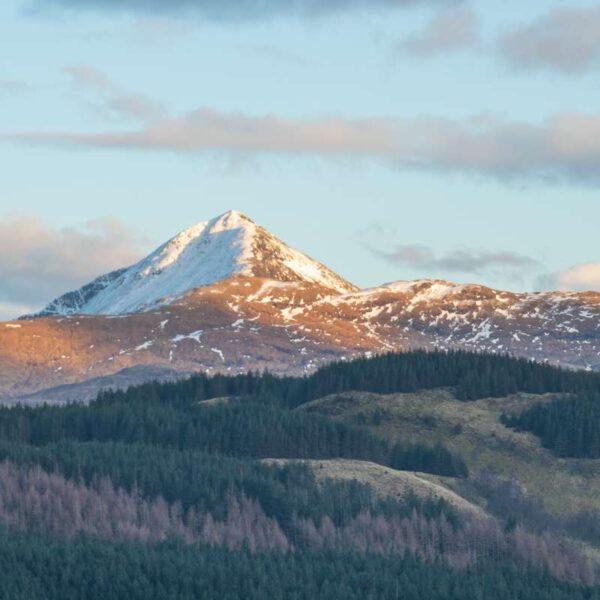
(211, 251)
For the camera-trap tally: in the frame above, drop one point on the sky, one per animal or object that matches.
(390, 139)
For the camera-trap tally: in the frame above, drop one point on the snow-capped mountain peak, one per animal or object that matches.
(211, 251)
(206, 252)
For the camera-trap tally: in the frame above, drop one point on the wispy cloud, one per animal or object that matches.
(90, 77)
(564, 40)
(463, 261)
(232, 10)
(425, 261)
(108, 99)
(583, 277)
(39, 262)
(564, 147)
(452, 29)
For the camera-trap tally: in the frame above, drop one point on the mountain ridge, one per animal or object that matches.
(271, 307)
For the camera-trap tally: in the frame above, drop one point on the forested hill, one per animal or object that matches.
(472, 375)
(155, 492)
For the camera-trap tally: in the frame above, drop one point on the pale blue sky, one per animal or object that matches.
(345, 209)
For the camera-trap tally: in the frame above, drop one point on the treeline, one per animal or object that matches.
(472, 375)
(568, 426)
(238, 428)
(35, 567)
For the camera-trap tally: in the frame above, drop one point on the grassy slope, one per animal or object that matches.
(388, 482)
(474, 430)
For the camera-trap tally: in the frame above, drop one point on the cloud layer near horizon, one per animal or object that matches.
(564, 147)
(39, 262)
(461, 261)
(424, 262)
(505, 264)
(579, 278)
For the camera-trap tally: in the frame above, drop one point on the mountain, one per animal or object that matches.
(228, 296)
(206, 253)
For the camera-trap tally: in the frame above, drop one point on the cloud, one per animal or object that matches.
(39, 262)
(579, 278)
(89, 77)
(564, 147)
(107, 99)
(567, 41)
(504, 263)
(233, 10)
(450, 30)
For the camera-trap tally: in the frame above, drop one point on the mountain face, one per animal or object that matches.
(227, 296)
(209, 252)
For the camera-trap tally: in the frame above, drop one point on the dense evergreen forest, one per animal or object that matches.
(242, 428)
(568, 426)
(201, 481)
(154, 493)
(472, 375)
(93, 569)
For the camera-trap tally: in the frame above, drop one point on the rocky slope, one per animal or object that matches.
(228, 296)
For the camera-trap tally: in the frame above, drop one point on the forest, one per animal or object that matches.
(92, 569)
(243, 428)
(154, 493)
(472, 375)
(569, 426)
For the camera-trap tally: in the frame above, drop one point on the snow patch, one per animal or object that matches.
(484, 333)
(195, 335)
(144, 346)
(219, 352)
